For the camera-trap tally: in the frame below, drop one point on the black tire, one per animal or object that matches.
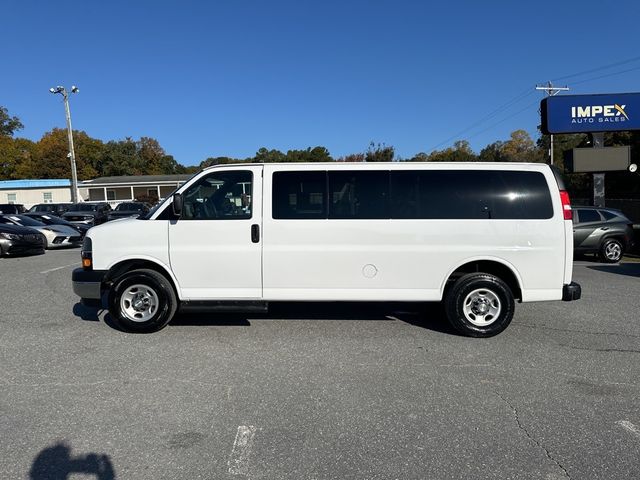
(480, 291)
(611, 251)
(155, 298)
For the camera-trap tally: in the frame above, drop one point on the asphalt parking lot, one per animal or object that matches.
(318, 391)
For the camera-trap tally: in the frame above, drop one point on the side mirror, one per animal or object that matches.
(178, 202)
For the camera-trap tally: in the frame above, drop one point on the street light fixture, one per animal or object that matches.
(74, 176)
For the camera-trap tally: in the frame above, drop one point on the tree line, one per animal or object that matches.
(21, 158)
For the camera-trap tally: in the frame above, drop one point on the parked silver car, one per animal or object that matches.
(56, 235)
(603, 231)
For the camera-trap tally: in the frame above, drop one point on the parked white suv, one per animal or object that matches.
(478, 236)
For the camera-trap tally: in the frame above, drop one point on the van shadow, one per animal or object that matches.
(627, 269)
(430, 316)
(57, 463)
(92, 313)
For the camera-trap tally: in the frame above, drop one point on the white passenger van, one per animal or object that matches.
(478, 236)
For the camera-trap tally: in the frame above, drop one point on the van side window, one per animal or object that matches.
(477, 194)
(411, 194)
(520, 195)
(219, 196)
(358, 194)
(299, 195)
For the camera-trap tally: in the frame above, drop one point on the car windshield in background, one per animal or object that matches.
(53, 220)
(129, 207)
(26, 221)
(83, 207)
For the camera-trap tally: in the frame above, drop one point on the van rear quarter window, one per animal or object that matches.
(411, 194)
(471, 194)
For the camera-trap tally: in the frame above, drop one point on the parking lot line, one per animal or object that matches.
(60, 268)
(239, 458)
(629, 427)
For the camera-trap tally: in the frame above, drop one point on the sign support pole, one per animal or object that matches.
(597, 140)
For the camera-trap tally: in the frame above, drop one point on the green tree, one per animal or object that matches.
(379, 153)
(151, 155)
(492, 152)
(51, 155)
(268, 156)
(419, 157)
(16, 158)
(218, 161)
(121, 158)
(352, 157)
(520, 148)
(578, 184)
(155, 160)
(8, 124)
(316, 154)
(459, 152)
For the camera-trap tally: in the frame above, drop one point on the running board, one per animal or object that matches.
(224, 306)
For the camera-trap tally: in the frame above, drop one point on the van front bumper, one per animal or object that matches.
(572, 291)
(87, 283)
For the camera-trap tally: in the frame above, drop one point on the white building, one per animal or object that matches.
(30, 192)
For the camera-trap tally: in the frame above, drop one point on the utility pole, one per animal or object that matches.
(72, 155)
(551, 91)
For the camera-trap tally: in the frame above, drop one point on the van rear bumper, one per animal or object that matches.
(87, 283)
(572, 291)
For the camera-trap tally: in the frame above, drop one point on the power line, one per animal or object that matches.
(505, 106)
(536, 102)
(526, 93)
(597, 69)
(606, 75)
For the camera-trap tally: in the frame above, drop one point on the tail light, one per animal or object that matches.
(566, 205)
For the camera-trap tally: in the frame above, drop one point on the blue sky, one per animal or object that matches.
(224, 78)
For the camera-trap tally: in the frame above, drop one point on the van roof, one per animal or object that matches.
(517, 165)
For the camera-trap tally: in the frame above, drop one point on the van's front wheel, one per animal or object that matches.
(142, 301)
(479, 305)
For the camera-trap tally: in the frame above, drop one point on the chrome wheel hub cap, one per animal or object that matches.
(481, 307)
(613, 251)
(139, 303)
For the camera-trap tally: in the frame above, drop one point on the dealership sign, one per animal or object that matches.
(590, 113)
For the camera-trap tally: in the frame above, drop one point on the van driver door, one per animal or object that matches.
(215, 248)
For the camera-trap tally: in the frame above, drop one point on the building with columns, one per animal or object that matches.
(114, 190)
(127, 188)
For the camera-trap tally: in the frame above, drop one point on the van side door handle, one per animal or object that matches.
(255, 233)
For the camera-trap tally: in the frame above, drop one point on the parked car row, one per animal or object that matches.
(56, 235)
(89, 213)
(92, 213)
(55, 225)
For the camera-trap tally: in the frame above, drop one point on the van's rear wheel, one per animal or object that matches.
(142, 301)
(479, 305)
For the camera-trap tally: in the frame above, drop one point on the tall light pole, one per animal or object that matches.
(72, 155)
